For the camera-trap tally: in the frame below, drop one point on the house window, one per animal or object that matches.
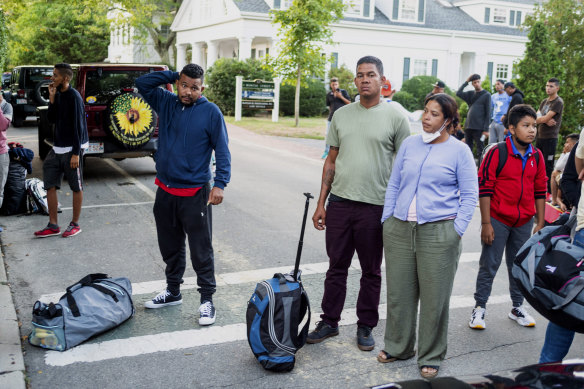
(502, 71)
(253, 53)
(499, 15)
(282, 4)
(420, 67)
(407, 10)
(358, 8)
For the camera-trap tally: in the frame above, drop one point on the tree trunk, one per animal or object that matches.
(297, 99)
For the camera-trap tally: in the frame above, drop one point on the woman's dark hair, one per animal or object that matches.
(448, 106)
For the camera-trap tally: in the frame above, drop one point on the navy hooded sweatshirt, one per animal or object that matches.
(187, 135)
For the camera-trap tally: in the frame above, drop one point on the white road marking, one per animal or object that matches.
(241, 277)
(109, 205)
(177, 340)
(131, 178)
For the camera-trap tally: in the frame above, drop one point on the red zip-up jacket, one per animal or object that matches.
(514, 191)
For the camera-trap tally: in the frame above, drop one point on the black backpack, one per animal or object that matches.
(502, 146)
(549, 271)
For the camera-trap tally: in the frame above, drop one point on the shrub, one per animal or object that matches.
(407, 100)
(220, 80)
(418, 87)
(312, 98)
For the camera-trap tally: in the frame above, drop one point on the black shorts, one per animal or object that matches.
(57, 165)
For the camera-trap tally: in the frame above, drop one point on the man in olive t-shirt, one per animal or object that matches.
(364, 138)
(549, 121)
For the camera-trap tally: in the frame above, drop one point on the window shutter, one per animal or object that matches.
(490, 71)
(421, 5)
(395, 9)
(512, 18)
(277, 4)
(435, 67)
(518, 21)
(487, 15)
(366, 8)
(335, 62)
(406, 68)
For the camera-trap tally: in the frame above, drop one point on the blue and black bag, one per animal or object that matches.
(549, 271)
(275, 313)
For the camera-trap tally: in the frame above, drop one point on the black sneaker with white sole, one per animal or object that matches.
(207, 313)
(164, 299)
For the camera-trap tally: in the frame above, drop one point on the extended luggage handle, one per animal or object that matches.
(301, 242)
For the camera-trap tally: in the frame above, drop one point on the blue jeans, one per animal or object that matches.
(559, 339)
(326, 146)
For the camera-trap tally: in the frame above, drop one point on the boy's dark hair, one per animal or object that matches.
(555, 81)
(448, 106)
(474, 77)
(520, 111)
(509, 84)
(65, 70)
(193, 71)
(501, 81)
(574, 136)
(373, 60)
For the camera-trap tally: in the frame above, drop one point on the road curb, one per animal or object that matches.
(12, 371)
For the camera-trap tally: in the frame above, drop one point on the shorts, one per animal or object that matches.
(58, 165)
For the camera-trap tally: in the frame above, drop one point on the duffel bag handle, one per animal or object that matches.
(578, 287)
(87, 281)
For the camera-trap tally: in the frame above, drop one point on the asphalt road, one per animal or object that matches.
(256, 228)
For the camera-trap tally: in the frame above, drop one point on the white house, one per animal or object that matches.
(450, 39)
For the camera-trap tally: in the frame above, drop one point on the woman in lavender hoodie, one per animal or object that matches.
(430, 200)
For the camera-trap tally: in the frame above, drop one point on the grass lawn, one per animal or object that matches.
(311, 128)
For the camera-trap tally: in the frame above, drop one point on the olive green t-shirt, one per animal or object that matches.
(368, 140)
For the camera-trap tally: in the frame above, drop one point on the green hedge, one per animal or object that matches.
(312, 99)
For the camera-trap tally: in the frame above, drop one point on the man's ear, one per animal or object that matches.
(202, 88)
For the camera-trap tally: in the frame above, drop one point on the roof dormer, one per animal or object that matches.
(359, 9)
(408, 11)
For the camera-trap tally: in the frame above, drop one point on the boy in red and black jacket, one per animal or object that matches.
(508, 201)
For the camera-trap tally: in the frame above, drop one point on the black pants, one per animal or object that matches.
(178, 218)
(548, 149)
(471, 136)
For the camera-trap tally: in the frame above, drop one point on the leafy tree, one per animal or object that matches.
(150, 19)
(3, 40)
(563, 19)
(487, 85)
(538, 65)
(63, 32)
(220, 80)
(417, 88)
(312, 98)
(346, 79)
(303, 29)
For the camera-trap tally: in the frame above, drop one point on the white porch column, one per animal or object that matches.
(244, 48)
(212, 53)
(181, 56)
(197, 51)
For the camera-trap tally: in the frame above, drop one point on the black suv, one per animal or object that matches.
(120, 123)
(28, 90)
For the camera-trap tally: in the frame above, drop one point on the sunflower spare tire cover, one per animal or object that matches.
(131, 120)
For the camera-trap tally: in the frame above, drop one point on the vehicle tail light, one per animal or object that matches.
(21, 93)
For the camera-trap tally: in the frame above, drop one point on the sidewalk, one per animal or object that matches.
(12, 373)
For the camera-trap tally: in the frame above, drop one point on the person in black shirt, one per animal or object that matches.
(67, 112)
(335, 99)
(478, 118)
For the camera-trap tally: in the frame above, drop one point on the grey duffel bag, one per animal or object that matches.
(91, 306)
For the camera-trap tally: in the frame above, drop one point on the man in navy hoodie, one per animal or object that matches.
(190, 128)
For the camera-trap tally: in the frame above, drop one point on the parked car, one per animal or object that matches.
(119, 121)
(6, 80)
(28, 90)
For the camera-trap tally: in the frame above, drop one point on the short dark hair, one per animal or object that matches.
(439, 84)
(373, 60)
(448, 106)
(64, 69)
(520, 111)
(509, 84)
(334, 79)
(501, 81)
(574, 136)
(555, 81)
(474, 77)
(193, 71)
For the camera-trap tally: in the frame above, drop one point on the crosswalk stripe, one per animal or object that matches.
(241, 277)
(169, 341)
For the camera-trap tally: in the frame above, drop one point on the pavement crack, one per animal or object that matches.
(489, 349)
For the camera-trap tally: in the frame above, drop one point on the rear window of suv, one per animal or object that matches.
(32, 76)
(102, 87)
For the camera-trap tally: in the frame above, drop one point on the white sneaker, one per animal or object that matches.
(207, 313)
(521, 316)
(477, 319)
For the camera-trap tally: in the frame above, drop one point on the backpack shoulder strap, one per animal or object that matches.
(536, 154)
(502, 146)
